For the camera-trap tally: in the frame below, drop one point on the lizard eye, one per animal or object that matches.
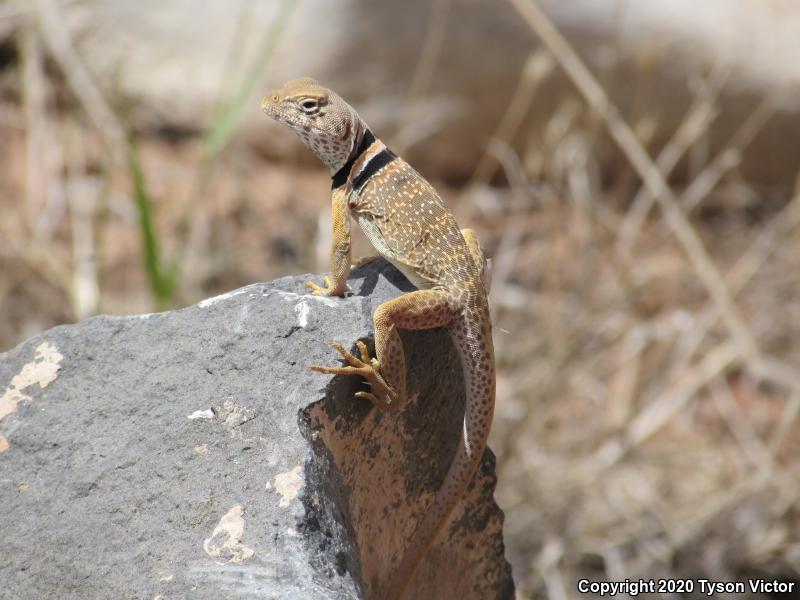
(309, 105)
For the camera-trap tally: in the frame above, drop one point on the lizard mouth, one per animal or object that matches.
(271, 107)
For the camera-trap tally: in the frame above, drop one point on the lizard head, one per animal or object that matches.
(325, 122)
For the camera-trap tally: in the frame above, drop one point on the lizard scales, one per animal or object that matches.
(406, 221)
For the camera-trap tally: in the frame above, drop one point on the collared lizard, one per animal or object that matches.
(407, 222)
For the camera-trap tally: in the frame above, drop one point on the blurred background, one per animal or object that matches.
(636, 183)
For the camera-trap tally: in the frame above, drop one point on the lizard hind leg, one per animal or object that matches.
(386, 373)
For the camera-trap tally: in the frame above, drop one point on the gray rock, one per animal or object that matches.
(191, 454)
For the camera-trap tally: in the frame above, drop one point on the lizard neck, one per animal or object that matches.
(369, 157)
(363, 138)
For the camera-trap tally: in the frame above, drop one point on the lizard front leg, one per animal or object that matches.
(336, 285)
(386, 374)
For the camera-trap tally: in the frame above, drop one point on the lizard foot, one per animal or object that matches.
(364, 260)
(382, 395)
(328, 290)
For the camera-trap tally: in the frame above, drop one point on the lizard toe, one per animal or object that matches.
(315, 289)
(360, 371)
(362, 347)
(352, 360)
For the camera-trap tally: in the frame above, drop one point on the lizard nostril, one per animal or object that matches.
(270, 98)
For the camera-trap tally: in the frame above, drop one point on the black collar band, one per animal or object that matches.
(340, 177)
(375, 164)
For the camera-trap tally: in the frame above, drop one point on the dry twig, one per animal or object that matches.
(650, 174)
(80, 80)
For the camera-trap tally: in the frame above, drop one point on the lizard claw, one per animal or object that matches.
(364, 365)
(369, 396)
(328, 290)
(362, 347)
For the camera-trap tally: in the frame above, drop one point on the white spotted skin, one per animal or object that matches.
(408, 223)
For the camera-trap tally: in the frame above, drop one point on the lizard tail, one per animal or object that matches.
(472, 337)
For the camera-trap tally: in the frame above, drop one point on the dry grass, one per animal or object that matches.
(647, 334)
(650, 396)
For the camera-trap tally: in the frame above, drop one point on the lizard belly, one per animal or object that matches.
(378, 241)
